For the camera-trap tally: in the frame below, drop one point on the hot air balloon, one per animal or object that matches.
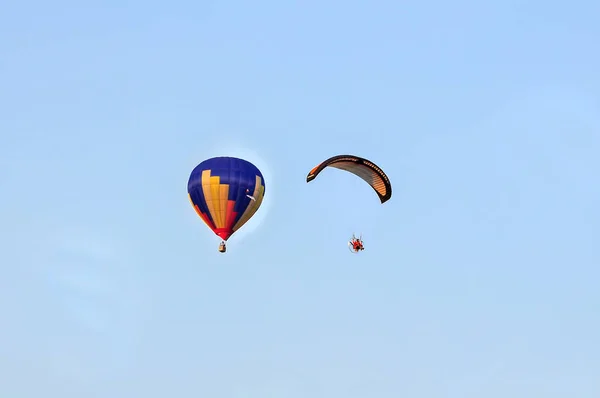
(226, 192)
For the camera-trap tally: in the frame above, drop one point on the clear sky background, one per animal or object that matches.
(480, 276)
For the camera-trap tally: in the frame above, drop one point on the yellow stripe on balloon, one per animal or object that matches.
(214, 193)
(216, 196)
(207, 193)
(223, 199)
(210, 188)
(258, 194)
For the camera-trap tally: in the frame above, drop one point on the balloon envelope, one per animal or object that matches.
(226, 192)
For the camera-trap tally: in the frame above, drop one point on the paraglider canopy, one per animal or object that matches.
(361, 167)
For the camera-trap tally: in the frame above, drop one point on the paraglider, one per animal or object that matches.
(356, 244)
(226, 192)
(367, 171)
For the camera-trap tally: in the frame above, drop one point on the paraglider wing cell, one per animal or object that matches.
(363, 168)
(217, 189)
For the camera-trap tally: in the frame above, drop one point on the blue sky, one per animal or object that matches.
(480, 275)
